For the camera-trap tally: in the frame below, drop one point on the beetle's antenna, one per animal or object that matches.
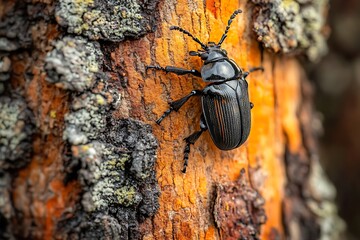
(228, 26)
(189, 34)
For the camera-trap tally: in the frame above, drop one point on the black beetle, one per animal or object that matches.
(225, 102)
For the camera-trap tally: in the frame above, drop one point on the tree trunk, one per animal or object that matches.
(81, 155)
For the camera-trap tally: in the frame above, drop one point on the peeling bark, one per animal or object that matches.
(238, 210)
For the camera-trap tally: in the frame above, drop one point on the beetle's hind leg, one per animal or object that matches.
(191, 140)
(176, 70)
(245, 74)
(256, 69)
(176, 105)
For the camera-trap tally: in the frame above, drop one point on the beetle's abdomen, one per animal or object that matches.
(226, 109)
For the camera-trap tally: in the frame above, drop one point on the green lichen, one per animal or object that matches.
(126, 196)
(115, 166)
(320, 195)
(104, 172)
(16, 129)
(82, 125)
(73, 64)
(116, 169)
(15, 28)
(113, 171)
(87, 120)
(118, 162)
(102, 19)
(291, 26)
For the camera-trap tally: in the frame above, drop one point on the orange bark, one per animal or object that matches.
(186, 200)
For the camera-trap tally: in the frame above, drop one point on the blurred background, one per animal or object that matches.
(337, 81)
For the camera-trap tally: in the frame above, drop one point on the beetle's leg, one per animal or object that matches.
(256, 69)
(176, 105)
(191, 140)
(176, 70)
(245, 74)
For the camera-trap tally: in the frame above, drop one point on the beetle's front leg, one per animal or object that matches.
(192, 139)
(176, 105)
(176, 70)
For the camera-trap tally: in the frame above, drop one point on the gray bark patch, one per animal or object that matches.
(106, 19)
(292, 27)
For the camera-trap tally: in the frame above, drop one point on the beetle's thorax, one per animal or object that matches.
(217, 65)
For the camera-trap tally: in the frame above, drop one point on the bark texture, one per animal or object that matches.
(100, 168)
(339, 103)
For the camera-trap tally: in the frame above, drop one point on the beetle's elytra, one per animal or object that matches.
(225, 101)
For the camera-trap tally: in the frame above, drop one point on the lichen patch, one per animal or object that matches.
(104, 19)
(292, 27)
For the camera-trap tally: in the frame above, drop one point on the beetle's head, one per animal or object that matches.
(212, 53)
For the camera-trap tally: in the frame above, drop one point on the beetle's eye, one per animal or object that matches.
(225, 51)
(204, 56)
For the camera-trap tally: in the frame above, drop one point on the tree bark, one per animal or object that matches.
(83, 109)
